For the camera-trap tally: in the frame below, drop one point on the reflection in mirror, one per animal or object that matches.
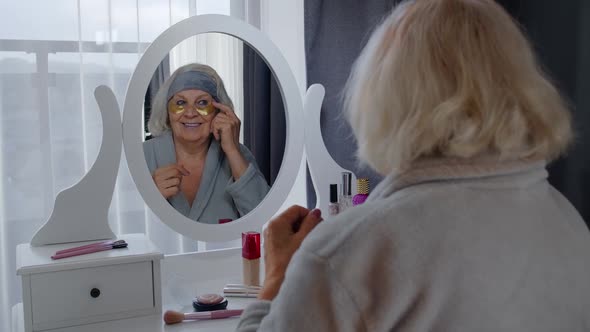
(215, 128)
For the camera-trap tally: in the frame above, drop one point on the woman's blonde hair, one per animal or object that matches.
(159, 122)
(452, 78)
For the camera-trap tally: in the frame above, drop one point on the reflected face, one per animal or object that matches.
(190, 113)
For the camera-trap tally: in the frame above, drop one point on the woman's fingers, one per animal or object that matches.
(172, 182)
(309, 222)
(282, 239)
(169, 187)
(169, 192)
(226, 111)
(183, 170)
(168, 179)
(222, 118)
(169, 171)
(215, 131)
(225, 128)
(293, 219)
(223, 108)
(291, 216)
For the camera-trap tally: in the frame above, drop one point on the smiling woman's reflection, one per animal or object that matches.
(195, 157)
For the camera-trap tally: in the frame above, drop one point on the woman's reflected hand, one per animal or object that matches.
(282, 238)
(168, 178)
(225, 127)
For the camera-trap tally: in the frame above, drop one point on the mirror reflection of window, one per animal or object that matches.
(220, 51)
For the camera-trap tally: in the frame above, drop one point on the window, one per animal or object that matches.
(52, 56)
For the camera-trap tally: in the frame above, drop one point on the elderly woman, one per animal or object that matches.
(464, 233)
(195, 158)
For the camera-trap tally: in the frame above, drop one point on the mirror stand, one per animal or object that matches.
(323, 169)
(80, 213)
(90, 284)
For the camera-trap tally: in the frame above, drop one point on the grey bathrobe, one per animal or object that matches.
(219, 196)
(447, 246)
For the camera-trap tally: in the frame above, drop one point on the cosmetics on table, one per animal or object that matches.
(232, 290)
(251, 258)
(174, 317)
(89, 249)
(242, 286)
(333, 206)
(345, 200)
(209, 302)
(362, 189)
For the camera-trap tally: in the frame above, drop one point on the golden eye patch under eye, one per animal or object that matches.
(176, 106)
(206, 110)
(203, 107)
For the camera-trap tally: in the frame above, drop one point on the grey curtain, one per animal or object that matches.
(560, 32)
(264, 123)
(335, 33)
(160, 75)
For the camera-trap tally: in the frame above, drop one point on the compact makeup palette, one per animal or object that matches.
(209, 302)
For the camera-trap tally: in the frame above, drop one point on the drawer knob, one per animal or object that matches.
(95, 292)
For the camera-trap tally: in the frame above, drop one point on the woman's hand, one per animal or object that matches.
(282, 238)
(226, 127)
(168, 178)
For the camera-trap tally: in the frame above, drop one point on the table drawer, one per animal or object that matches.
(80, 296)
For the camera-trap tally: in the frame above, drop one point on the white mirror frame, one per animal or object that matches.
(133, 127)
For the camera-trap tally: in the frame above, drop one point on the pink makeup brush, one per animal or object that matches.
(174, 317)
(92, 245)
(89, 249)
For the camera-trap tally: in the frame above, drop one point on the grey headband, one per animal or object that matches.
(193, 80)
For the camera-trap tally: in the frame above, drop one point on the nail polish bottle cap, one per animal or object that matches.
(251, 245)
(333, 193)
(362, 186)
(346, 183)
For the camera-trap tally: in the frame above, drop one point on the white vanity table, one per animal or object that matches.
(184, 276)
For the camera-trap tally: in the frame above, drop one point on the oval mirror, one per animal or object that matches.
(258, 201)
(214, 163)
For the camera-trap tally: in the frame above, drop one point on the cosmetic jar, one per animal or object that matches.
(209, 302)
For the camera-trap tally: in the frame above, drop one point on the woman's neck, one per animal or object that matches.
(191, 151)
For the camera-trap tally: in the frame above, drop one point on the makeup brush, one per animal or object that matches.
(174, 317)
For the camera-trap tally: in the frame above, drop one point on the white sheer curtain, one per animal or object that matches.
(224, 54)
(52, 56)
(218, 51)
